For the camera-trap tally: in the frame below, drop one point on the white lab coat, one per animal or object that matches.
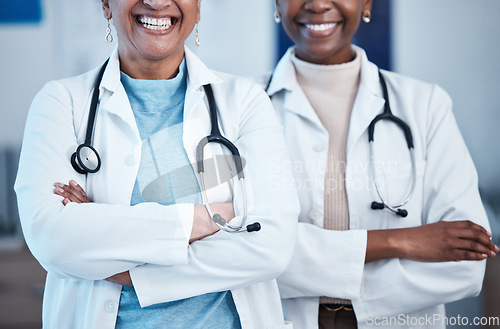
(81, 244)
(331, 263)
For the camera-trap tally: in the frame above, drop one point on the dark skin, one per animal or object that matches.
(203, 225)
(322, 31)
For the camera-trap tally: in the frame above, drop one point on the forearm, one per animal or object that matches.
(399, 286)
(95, 241)
(383, 244)
(437, 242)
(223, 261)
(325, 263)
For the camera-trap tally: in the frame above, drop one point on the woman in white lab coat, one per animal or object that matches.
(355, 266)
(109, 259)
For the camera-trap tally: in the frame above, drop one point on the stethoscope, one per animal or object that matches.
(86, 159)
(387, 115)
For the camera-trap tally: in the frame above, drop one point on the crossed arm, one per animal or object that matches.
(437, 242)
(203, 225)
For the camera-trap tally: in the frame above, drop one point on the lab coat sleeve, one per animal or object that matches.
(398, 286)
(85, 241)
(224, 260)
(325, 263)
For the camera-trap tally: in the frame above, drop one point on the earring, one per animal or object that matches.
(109, 37)
(367, 16)
(197, 41)
(277, 16)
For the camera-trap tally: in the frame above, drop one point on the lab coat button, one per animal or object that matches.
(315, 215)
(111, 306)
(130, 160)
(319, 147)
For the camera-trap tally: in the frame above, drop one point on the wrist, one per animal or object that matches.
(203, 224)
(396, 243)
(385, 244)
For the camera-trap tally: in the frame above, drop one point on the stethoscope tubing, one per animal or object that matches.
(86, 159)
(386, 115)
(216, 137)
(393, 208)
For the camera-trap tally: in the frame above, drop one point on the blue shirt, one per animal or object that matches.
(166, 176)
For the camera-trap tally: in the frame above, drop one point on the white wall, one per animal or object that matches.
(455, 43)
(236, 36)
(65, 43)
(451, 42)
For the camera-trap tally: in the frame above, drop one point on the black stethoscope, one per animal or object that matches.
(387, 115)
(86, 160)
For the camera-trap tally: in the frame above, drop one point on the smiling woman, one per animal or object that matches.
(125, 236)
(369, 259)
(152, 34)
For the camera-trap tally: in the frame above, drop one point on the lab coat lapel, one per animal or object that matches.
(285, 78)
(297, 103)
(196, 114)
(369, 102)
(196, 121)
(113, 98)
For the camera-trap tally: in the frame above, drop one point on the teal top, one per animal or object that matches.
(167, 177)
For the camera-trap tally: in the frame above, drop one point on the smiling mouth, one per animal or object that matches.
(156, 24)
(320, 27)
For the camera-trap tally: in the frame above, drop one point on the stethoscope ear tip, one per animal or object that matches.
(255, 227)
(377, 205)
(403, 213)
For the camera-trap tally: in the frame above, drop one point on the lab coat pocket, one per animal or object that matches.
(287, 325)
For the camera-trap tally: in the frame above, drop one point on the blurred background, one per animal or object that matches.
(453, 43)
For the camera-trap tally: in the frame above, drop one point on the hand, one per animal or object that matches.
(438, 242)
(121, 278)
(203, 225)
(71, 193)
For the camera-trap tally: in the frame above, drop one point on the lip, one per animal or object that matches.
(156, 18)
(317, 29)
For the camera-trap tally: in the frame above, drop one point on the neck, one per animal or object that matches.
(151, 69)
(343, 56)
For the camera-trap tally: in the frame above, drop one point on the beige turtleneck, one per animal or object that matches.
(331, 90)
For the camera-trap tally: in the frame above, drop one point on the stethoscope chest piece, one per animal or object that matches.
(86, 159)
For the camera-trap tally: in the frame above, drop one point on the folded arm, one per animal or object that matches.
(89, 240)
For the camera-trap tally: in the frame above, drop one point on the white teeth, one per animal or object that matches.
(155, 23)
(320, 27)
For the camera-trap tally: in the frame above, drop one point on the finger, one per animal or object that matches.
(469, 255)
(66, 201)
(479, 235)
(67, 192)
(474, 246)
(61, 191)
(77, 191)
(467, 224)
(80, 190)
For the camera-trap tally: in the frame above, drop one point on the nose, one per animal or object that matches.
(157, 4)
(318, 6)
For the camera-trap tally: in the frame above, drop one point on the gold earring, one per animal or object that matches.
(277, 16)
(367, 16)
(197, 41)
(109, 37)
